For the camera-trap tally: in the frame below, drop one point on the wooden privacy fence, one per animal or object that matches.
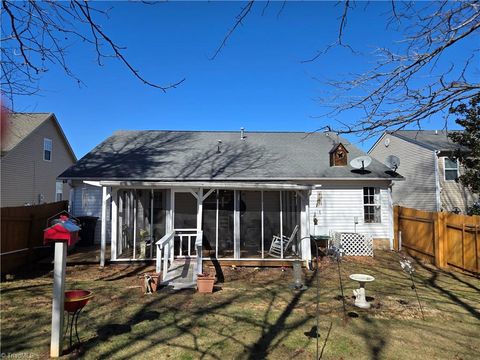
(22, 233)
(445, 239)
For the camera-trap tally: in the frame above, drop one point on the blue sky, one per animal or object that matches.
(257, 81)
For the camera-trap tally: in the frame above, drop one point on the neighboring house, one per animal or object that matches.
(430, 171)
(34, 151)
(239, 190)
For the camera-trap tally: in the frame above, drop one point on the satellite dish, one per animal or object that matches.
(361, 162)
(393, 162)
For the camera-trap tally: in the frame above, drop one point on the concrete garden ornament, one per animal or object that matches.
(148, 284)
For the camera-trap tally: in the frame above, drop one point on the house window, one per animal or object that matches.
(451, 169)
(371, 205)
(47, 149)
(59, 191)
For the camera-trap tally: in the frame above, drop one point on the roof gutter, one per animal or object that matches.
(196, 184)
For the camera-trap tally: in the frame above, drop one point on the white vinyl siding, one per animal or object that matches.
(417, 165)
(337, 209)
(87, 201)
(25, 176)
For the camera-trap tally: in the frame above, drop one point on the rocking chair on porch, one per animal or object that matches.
(276, 246)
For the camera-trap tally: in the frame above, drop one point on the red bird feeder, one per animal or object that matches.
(61, 227)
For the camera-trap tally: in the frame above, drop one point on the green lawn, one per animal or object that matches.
(255, 315)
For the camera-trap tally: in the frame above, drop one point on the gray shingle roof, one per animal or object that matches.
(19, 126)
(430, 139)
(192, 155)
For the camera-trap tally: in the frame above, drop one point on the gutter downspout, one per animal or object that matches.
(437, 180)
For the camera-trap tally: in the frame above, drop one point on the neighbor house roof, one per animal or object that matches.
(199, 155)
(22, 125)
(430, 139)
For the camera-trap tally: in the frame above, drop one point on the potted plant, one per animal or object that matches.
(205, 283)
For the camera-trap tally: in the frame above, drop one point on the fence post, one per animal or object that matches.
(396, 224)
(440, 238)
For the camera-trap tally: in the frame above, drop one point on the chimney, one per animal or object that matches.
(242, 133)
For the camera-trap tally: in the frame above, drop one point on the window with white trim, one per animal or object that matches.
(371, 205)
(47, 149)
(450, 169)
(59, 191)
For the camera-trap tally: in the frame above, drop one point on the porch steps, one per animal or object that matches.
(181, 274)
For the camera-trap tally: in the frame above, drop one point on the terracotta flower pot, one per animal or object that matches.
(205, 283)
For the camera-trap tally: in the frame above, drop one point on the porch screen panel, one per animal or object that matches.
(209, 223)
(271, 217)
(185, 213)
(290, 219)
(250, 224)
(159, 216)
(225, 223)
(143, 243)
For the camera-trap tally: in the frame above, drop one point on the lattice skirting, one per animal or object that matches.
(353, 244)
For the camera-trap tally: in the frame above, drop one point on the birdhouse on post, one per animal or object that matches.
(338, 155)
(62, 230)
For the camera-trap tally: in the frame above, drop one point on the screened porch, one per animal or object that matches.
(236, 224)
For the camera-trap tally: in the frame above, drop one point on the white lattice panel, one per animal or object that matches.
(353, 244)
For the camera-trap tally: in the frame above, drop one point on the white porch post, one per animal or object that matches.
(103, 246)
(199, 209)
(305, 226)
(236, 224)
(114, 224)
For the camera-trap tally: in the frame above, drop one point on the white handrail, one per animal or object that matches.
(198, 247)
(165, 246)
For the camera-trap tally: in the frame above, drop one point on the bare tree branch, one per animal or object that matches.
(238, 21)
(37, 35)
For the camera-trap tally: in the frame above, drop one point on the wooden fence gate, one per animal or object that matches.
(22, 233)
(445, 239)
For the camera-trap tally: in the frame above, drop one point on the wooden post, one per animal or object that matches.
(439, 245)
(396, 224)
(58, 298)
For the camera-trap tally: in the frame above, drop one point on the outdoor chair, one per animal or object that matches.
(276, 246)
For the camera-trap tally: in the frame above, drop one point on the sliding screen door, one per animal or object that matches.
(225, 223)
(271, 218)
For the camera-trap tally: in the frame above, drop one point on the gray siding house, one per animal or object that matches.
(431, 174)
(34, 151)
(229, 195)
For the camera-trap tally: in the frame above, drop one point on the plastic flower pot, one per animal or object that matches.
(205, 283)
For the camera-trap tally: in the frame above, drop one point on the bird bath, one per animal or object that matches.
(360, 300)
(75, 300)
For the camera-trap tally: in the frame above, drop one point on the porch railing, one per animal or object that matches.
(165, 250)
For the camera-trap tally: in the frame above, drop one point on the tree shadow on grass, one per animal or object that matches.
(432, 282)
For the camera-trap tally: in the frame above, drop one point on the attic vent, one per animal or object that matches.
(338, 155)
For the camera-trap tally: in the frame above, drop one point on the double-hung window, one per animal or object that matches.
(371, 205)
(450, 168)
(59, 191)
(47, 149)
